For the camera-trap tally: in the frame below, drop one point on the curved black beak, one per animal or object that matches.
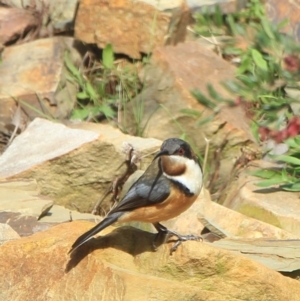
(161, 153)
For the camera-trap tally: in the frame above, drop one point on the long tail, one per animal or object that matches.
(110, 219)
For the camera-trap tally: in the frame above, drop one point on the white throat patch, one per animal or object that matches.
(192, 178)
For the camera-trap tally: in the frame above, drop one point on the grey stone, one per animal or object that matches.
(7, 233)
(59, 141)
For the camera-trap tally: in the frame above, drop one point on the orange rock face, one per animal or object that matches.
(132, 27)
(122, 266)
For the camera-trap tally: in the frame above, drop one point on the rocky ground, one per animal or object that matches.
(59, 176)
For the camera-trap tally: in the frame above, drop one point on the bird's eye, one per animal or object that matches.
(180, 152)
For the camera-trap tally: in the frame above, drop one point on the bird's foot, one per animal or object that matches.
(164, 233)
(181, 239)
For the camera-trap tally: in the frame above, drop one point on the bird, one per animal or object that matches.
(168, 187)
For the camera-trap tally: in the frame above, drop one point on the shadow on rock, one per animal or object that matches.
(267, 190)
(127, 239)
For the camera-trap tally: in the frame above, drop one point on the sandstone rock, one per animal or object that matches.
(119, 23)
(281, 10)
(38, 68)
(21, 197)
(60, 12)
(278, 208)
(72, 166)
(15, 24)
(7, 233)
(21, 206)
(59, 214)
(173, 73)
(121, 266)
(279, 255)
(230, 223)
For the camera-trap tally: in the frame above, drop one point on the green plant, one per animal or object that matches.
(267, 64)
(286, 176)
(104, 86)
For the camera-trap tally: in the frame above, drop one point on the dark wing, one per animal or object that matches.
(152, 187)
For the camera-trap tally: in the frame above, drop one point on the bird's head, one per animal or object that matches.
(176, 147)
(180, 164)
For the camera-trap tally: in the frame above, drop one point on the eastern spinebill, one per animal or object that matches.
(168, 187)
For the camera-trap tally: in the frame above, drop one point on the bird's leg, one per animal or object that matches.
(161, 236)
(181, 238)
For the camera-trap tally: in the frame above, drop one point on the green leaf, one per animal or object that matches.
(80, 114)
(203, 99)
(183, 136)
(254, 130)
(205, 120)
(246, 65)
(82, 95)
(232, 86)
(259, 60)
(293, 142)
(265, 173)
(213, 93)
(287, 159)
(267, 28)
(291, 187)
(218, 16)
(269, 182)
(232, 24)
(282, 24)
(91, 91)
(233, 50)
(108, 57)
(72, 68)
(107, 111)
(191, 112)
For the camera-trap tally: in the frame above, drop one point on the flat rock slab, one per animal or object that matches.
(278, 208)
(59, 214)
(39, 70)
(21, 206)
(24, 212)
(119, 23)
(37, 150)
(22, 197)
(15, 22)
(225, 222)
(279, 255)
(74, 166)
(122, 266)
